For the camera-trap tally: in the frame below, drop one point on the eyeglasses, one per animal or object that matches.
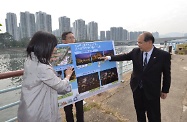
(70, 38)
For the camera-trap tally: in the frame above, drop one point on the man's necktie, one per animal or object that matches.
(144, 66)
(145, 62)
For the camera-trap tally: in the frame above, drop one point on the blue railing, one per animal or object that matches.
(10, 105)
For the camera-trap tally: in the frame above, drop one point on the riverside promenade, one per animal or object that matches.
(116, 105)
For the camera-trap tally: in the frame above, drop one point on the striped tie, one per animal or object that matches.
(145, 62)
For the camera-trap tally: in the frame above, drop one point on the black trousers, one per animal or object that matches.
(79, 112)
(143, 105)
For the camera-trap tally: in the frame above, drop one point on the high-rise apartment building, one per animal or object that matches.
(119, 34)
(43, 22)
(102, 35)
(125, 34)
(85, 36)
(108, 35)
(79, 29)
(113, 34)
(116, 33)
(48, 23)
(155, 34)
(27, 24)
(92, 31)
(56, 33)
(11, 25)
(131, 35)
(64, 24)
(134, 35)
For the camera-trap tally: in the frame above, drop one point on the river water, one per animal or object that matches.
(14, 60)
(10, 61)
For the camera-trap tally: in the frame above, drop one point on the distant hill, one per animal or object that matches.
(172, 34)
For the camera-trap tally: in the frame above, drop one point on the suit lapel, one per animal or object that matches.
(152, 59)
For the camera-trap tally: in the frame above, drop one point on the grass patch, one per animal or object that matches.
(90, 106)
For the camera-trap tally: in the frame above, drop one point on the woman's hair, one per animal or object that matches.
(42, 44)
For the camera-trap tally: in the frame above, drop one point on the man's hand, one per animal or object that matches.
(163, 95)
(103, 58)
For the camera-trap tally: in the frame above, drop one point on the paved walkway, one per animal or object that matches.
(116, 105)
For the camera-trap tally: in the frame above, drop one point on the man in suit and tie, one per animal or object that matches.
(151, 68)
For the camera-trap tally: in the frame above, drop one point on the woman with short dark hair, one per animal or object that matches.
(40, 85)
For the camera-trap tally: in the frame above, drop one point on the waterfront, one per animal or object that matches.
(10, 60)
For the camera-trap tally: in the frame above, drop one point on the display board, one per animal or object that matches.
(91, 75)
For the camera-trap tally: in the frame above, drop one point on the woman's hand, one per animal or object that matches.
(69, 72)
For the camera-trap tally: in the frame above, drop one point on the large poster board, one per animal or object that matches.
(91, 75)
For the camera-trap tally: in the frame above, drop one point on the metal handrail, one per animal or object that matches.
(8, 75)
(11, 74)
(10, 89)
(12, 120)
(9, 105)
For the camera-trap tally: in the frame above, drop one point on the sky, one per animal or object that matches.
(163, 16)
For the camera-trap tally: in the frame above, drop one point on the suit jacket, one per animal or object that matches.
(159, 65)
(40, 85)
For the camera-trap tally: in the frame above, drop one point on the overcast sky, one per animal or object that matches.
(163, 16)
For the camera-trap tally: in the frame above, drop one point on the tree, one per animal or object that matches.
(5, 40)
(0, 25)
(23, 42)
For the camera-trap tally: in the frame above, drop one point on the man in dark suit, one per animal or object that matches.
(150, 65)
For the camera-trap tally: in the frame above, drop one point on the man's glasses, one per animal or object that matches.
(70, 38)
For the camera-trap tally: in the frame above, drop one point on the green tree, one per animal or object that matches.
(6, 40)
(24, 42)
(0, 25)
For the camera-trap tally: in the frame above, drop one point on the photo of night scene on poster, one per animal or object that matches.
(109, 53)
(61, 56)
(84, 58)
(96, 55)
(88, 82)
(108, 76)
